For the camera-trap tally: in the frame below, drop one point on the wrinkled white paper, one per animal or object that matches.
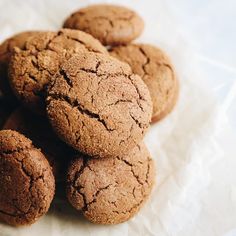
(194, 147)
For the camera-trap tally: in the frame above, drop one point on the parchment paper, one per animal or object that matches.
(194, 147)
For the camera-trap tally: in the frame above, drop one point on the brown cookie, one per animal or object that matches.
(26, 180)
(156, 70)
(40, 132)
(111, 24)
(112, 190)
(96, 105)
(32, 68)
(6, 50)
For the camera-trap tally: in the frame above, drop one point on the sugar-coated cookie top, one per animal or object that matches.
(111, 24)
(32, 68)
(6, 50)
(156, 70)
(98, 106)
(26, 180)
(111, 190)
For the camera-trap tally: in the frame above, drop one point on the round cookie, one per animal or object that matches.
(6, 50)
(32, 68)
(156, 70)
(98, 106)
(111, 191)
(111, 24)
(38, 129)
(26, 180)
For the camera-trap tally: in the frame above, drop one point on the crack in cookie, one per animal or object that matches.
(99, 99)
(111, 24)
(110, 191)
(6, 50)
(26, 179)
(32, 67)
(157, 72)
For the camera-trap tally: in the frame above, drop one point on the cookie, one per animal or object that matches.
(111, 24)
(6, 49)
(96, 105)
(32, 68)
(112, 190)
(38, 129)
(156, 70)
(26, 180)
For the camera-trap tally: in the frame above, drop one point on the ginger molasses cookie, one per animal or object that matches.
(6, 49)
(26, 180)
(38, 129)
(96, 105)
(156, 70)
(32, 67)
(111, 24)
(112, 190)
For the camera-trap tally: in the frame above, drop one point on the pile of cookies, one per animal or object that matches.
(82, 98)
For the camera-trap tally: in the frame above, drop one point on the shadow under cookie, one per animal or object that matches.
(40, 132)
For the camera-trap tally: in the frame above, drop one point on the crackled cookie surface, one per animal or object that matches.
(111, 191)
(157, 72)
(96, 105)
(32, 68)
(6, 50)
(39, 130)
(111, 24)
(26, 180)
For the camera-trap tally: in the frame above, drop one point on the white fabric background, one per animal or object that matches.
(194, 147)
